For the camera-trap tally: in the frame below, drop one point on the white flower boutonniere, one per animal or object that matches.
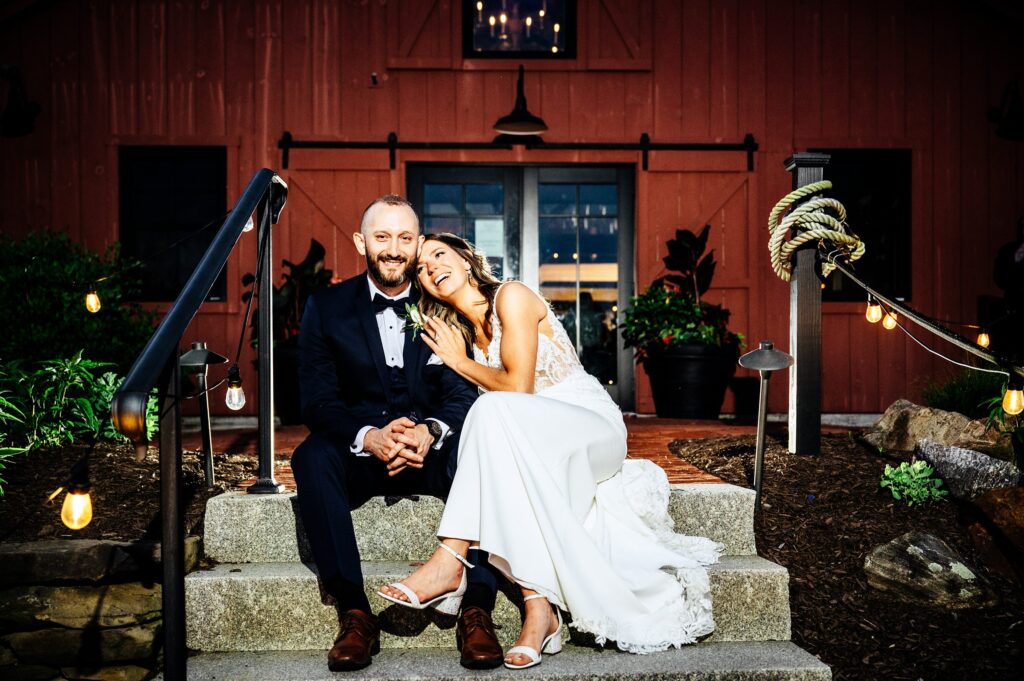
(415, 321)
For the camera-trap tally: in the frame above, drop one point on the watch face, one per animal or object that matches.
(434, 428)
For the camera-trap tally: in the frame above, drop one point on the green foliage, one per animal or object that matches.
(1012, 425)
(10, 415)
(289, 301)
(967, 393)
(44, 278)
(670, 312)
(913, 483)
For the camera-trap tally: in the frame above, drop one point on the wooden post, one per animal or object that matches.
(805, 325)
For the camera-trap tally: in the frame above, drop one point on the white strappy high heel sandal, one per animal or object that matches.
(447, 603)
(550, 645)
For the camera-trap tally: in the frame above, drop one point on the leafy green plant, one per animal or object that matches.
(967, 393)
(1011, 425)
(44, 278)
(670, 312)
(10, 415)
(913, 483)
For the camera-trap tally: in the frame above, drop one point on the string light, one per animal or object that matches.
(889, 321)
(235, 396)
(76, 511)
(1013, 398)
(249, 225)
(874, 312)
(984, 340)
(92, 300)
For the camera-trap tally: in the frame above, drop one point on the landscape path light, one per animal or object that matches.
(196, 361)
(764, 361)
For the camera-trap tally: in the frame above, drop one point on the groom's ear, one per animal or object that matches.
(357, 239)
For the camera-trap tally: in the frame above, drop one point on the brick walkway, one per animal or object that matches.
(648, 439)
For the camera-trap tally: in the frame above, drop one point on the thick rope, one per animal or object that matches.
(821, 219)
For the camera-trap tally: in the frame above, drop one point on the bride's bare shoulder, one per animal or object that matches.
(515, 299)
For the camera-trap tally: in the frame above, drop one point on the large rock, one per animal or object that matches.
(29, 672)
(69, 647)
(113, 605)
(921, 568)
(986, 437)
(904, 423)
(967, 474)
(114, 673)
(1004, 508)
(85, 560)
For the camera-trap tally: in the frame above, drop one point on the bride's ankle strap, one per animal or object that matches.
(457, 556)
(530, 598)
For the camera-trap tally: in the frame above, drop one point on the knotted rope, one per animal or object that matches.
(821, 219)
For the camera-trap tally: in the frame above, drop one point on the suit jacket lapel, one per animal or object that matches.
(412, 354)
(368, 320)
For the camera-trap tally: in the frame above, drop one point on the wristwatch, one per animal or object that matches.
(434, 428)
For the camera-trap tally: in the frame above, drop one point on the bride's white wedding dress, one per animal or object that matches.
(542, 485)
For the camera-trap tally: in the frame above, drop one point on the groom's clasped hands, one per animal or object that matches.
(400, 444)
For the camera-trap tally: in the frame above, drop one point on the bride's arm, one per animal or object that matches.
(520, 311)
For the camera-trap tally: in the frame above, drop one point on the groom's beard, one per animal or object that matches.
(403, 275)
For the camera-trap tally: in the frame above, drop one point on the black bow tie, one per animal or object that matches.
(380, 303)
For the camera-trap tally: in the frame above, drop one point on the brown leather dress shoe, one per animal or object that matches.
(357, 643)
(476, 640)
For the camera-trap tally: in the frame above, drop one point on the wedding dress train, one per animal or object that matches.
(542, 485)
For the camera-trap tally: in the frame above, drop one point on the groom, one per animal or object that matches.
(384, 420)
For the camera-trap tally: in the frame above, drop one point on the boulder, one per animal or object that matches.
(85, 560)
(113, 605)
(6, 657)
(967, 473)
(114, 673)
(69, 647)
(982, 436)
(29, 672)
(1004, 508)
(904, 423)
(920, 568)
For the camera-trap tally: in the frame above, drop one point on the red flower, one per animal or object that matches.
(667, 339)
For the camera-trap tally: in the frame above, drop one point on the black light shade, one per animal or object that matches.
(199, 356)
(520, 121)
(766, 358)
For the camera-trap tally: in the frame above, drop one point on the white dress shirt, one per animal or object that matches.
(392, 338)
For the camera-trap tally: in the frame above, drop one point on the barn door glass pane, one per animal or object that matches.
(475, 211)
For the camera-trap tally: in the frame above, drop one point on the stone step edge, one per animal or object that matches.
(753, 661)
(246, 528)
(751, 597)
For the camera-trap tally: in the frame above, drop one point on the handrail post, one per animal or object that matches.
(805, 325)
(172, 542)
(265, 482)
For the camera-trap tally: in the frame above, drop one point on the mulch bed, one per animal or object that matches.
(822, 515)
(125, 494)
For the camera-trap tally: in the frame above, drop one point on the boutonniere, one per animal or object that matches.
(415, 323)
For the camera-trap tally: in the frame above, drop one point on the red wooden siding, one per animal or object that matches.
(795, 73)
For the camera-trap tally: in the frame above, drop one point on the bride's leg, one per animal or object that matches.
(539, 623)
(439, 575)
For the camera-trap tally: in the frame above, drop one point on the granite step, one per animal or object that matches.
(278, 606)
(254, 528)
(759, 661)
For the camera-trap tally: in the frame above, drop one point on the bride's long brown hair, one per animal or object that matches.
(480, 277)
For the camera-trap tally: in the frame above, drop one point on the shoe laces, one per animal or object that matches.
(358, 624)
(474, 618)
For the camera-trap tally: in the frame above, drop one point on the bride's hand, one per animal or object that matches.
(444, 341)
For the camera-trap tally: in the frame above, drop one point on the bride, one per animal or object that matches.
(541, 483)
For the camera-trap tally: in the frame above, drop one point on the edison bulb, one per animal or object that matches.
(1013, 401)
(92, 301)
(235, 397)
(76, 512)
(889, 322)
(249, 225)
(983, 340)
(874, 313)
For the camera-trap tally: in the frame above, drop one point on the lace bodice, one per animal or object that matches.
(556, 356)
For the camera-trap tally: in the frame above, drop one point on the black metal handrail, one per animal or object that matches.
(158, 366)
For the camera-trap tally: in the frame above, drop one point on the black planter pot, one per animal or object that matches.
(286, 385)
(689, 381)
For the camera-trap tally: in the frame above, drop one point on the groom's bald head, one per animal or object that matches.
(378, 204)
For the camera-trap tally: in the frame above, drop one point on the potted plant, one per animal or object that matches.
(682, 340)
(289, 301)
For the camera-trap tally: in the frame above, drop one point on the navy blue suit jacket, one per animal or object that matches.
(344, 380)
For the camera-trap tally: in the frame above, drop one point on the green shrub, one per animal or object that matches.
(58, 402)
(967, 393)
(912, 482)
(44, 278)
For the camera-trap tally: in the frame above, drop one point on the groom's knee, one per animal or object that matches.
(315, 460)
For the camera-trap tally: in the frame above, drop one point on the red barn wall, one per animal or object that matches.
(795, 73)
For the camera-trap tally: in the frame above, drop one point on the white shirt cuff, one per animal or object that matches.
(445, 432)
(357, 444)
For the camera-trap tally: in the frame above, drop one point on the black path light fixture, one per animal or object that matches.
(764, 361)
(520, 126)
(197, 361)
